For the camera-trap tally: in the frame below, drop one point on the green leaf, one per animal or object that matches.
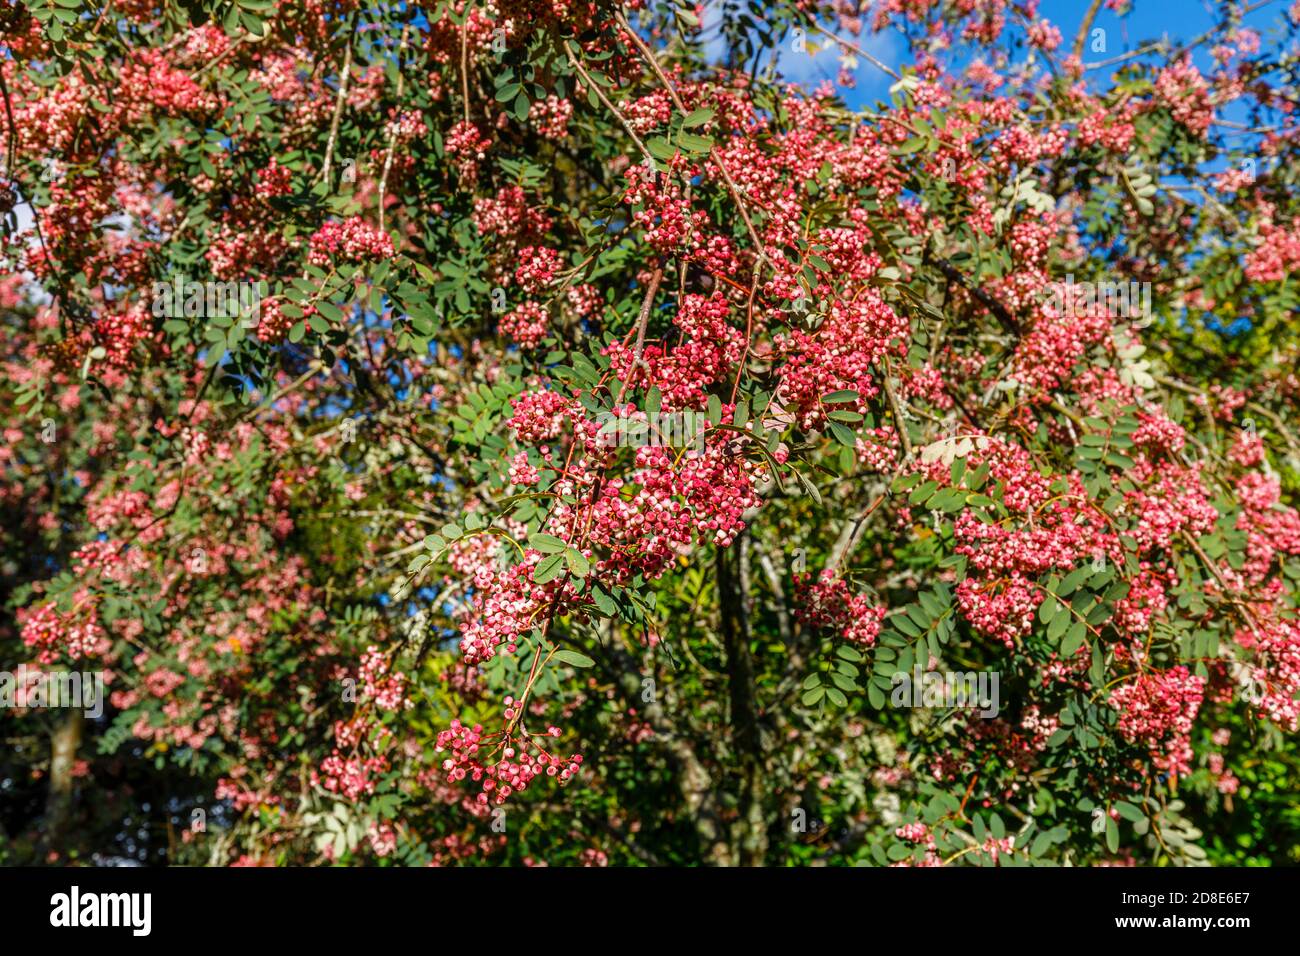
(903, 482)
(1074, 639)
(1059, 623)
(603, 600)
(950, 501)
(1058, 738)
(330, 311)
(698, 118)
(694, 144)
(549, 569)
(1073, 580)
(843, 681)
(572, 658)
(577, 562)
(660, 148)
(715, 409)
(1047, 610)
(844, 435)
(1128, 811)
(922, 492)
(546, 543)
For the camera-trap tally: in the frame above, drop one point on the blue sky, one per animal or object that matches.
(1146, 20)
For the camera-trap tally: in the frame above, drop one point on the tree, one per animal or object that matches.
(539, 433)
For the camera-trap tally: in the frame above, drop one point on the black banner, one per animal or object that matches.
(131, 906)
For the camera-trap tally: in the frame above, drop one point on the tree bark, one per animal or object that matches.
(64, 742)
(733, 600)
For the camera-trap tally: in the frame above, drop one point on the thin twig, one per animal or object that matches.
(899, 418)
(595, 87)
(464, 64)
(1084, 27)
(344, 75)
(642, 321)
(392, 140)
(858, 50)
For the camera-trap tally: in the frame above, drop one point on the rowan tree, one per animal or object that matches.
(993, 374)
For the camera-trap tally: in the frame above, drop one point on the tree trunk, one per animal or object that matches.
(64, 742)
(733, 602)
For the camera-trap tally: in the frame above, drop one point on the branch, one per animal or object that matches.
(999, 310)
(600, 95)
(858, 50)
(1084, 27)
(642, 321)
(899, 418)
(392, 140)
(464, 64)
(344, 75)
